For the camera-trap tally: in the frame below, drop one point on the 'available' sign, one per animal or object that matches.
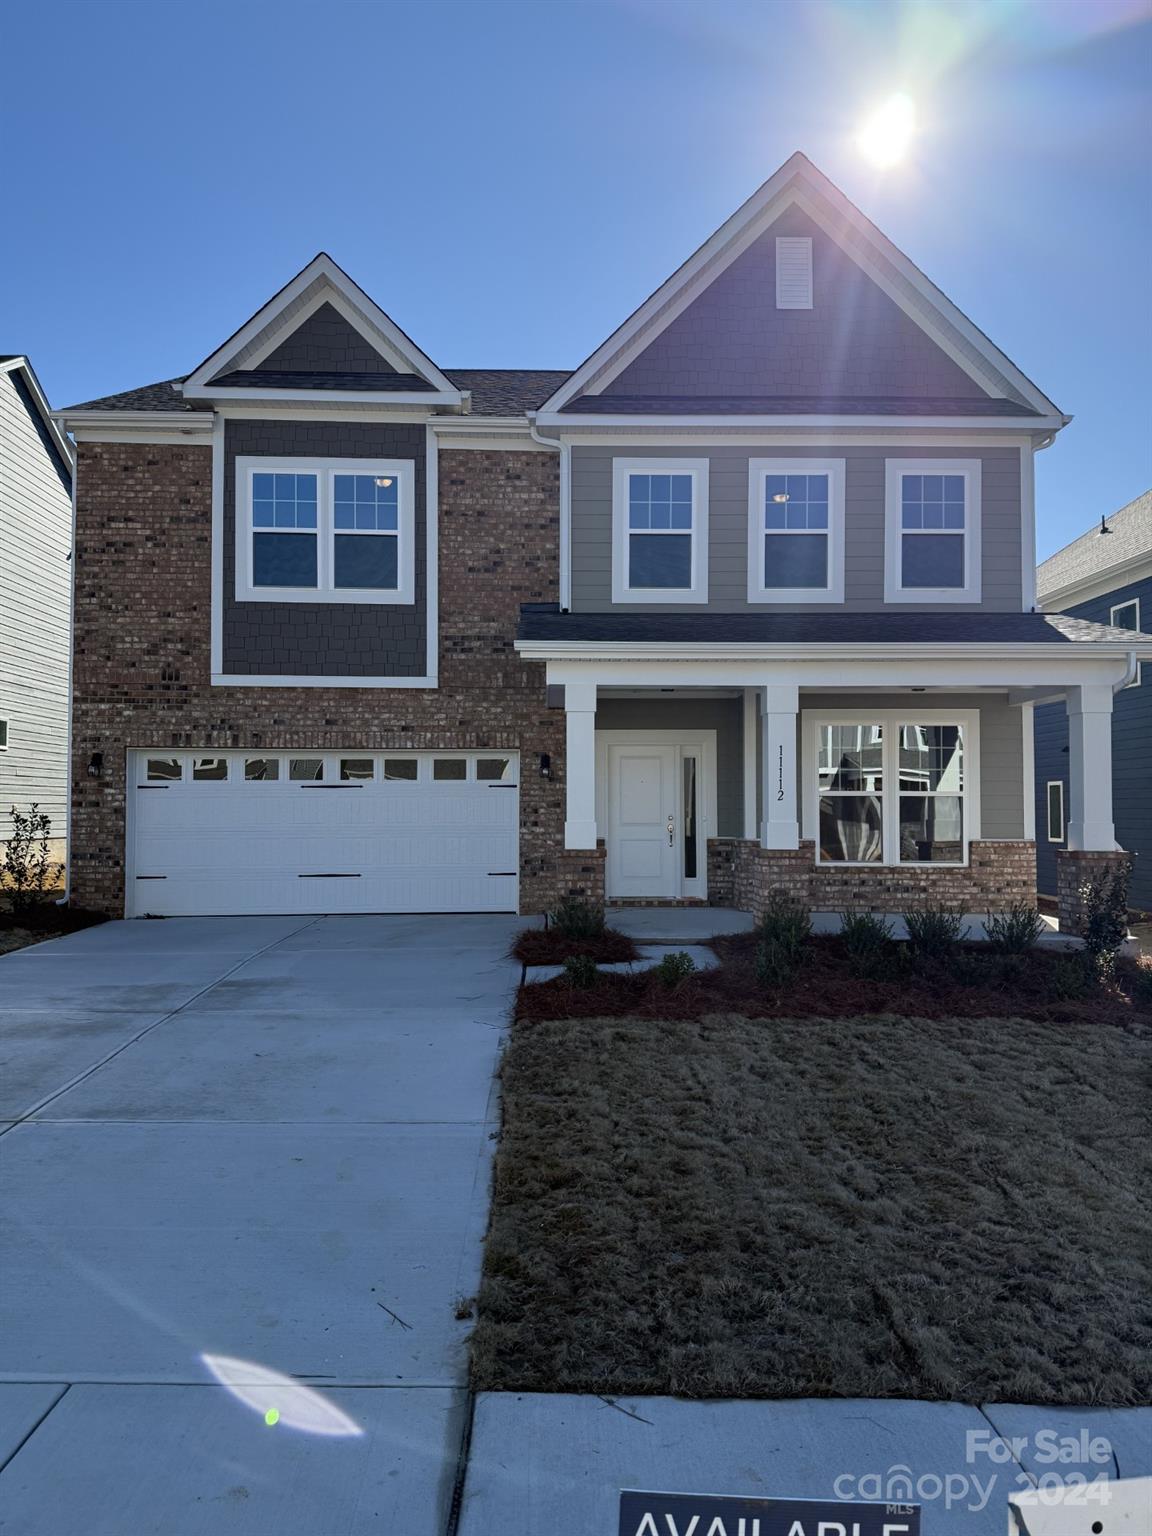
(705, 1514)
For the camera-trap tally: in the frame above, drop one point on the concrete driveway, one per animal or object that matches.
(230, 1148)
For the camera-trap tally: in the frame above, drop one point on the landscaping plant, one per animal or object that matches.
(580, 971)
(1105, 902)
(1015, 931)
(867, 942)
(578, 918)
(28, 873)
(674, 969)
(785, 923)
(933, 932)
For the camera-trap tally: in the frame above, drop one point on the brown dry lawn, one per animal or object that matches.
(872, 1207)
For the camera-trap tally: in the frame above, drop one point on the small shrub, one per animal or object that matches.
(776, 963)
(28, 873)
(1141, 980)
(675, 968)
(578, 918)
(933, 932)
(1015, 931)
(1104, 899)
(785, 924)
(580, 971)
(867, 942)
(1072, 977)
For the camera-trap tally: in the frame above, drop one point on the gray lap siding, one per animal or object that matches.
(728, 524)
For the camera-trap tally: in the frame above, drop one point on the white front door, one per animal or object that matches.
(643, 856)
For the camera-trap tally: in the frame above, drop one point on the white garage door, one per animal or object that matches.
(322, 832)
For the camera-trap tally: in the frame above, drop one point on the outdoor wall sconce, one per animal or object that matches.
(545, 766)
(96, 765)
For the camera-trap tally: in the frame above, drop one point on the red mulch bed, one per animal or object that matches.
(977, 984)
(545, 946)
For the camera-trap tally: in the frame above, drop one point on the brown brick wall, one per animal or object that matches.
(142, 649)
(1074, 867)
(997, 874)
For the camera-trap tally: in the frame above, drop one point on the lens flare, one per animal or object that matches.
(279, 1399)
(886, 135)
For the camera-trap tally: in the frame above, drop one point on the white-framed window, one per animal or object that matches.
(1127, 616)
(3, 735)
(660, 530)
(1055, 798)
(325, 530)
(795, 530)
(932, 531)
(887, 787)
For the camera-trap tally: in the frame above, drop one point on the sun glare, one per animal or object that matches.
(887, 133)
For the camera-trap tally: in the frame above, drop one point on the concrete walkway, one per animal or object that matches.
(236, 1147)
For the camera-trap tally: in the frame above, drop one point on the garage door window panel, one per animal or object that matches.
(261, 770)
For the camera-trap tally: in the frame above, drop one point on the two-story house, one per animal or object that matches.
(744, 602)
(1105, 576)
(35, 593)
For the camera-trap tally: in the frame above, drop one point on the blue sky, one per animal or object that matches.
(509, 179)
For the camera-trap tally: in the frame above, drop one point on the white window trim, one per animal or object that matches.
(891, 720)
(697, 592)
(758, 471)
(325, 470)
(1131, 602)
(894, 590)
(1048, 788)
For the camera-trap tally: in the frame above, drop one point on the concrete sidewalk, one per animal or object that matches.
(263, 1140)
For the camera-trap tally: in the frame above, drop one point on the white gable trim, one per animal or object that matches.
(919, 298)
(51, 419)
(356, 307)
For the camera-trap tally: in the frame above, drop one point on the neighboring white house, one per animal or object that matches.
(36, 466)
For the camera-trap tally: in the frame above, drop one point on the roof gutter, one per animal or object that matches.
(1131, 672)
(565, 532)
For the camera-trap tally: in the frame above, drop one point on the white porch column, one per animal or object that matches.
(580, 765)
(1090, 768)
(780, 827)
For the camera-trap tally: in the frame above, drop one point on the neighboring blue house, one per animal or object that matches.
(1105, 576)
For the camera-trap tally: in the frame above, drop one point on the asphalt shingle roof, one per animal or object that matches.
(1094, 552)
(915, 627)
(495, 391)
(788, 405)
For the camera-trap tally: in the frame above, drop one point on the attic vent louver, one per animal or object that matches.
(793, 272)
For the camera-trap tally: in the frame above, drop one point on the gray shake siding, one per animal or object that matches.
(732, 340)
(324, 639)
(35, 537)
(728, 523)
(325, 343)
(1131, 740)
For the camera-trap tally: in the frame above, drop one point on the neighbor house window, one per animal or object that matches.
(796, 531)
(1055, 810)
(660, 531)
(325, 530)
(932, 531)
(3, 735)
(1127, 616)
(889, 789)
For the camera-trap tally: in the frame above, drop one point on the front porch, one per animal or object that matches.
(877, 798)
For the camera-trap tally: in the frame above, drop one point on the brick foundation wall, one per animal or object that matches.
(997, 874)
(1074, 867)
(142, 656)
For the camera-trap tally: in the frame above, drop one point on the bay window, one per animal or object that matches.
(795, 530)
(932, 531)
(660, 531)
(888, 788)
(325, 531)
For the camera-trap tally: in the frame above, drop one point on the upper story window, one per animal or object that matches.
(1127, 616)
(660, 531)
(326, 530)
(796, 531)
(932, 531)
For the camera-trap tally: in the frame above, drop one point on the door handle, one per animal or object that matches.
(671, 833)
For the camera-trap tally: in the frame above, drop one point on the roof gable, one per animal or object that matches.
(321, 323)
(798, 198)
(35, 403)
(1097, 558)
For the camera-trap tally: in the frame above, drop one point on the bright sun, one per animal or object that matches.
(887, 133)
